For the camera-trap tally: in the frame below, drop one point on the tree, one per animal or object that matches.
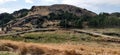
(5, 18)
(21, 13)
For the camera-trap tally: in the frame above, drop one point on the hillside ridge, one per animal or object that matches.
(45, 11)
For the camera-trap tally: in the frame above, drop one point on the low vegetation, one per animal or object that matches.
(50, 37)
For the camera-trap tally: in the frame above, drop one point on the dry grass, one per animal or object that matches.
(23, 48)
(33, 49)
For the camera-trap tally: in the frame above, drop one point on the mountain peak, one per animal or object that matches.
(56, 8)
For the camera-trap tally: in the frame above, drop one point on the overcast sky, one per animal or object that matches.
(96, 6)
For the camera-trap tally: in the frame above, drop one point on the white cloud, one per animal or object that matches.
(3, 10)
(8, 10)
(81, 3)
(93, 2)
(107, 2)
(93, 5)
(50, 0)
(4, 1)
(29, 1)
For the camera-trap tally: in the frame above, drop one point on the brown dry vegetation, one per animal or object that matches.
(23, 48)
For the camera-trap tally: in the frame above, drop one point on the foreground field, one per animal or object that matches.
(57, 49)
(60, 42)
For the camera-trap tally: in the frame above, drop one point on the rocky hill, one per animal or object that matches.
(57, 16)
(42, 16)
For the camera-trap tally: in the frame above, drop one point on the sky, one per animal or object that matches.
(96, 6)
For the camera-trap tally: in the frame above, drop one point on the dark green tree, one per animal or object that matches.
(5, 18)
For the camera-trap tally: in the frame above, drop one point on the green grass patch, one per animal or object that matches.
(7, 53)
(50, 37)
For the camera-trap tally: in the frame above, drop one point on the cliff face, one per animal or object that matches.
(39, 15)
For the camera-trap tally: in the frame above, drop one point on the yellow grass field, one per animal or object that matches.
(22, 48)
